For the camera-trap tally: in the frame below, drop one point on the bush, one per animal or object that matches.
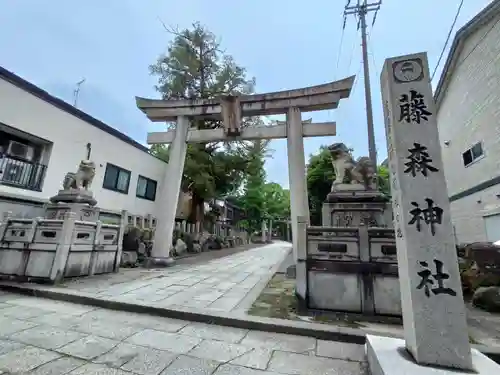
(188, 239)
(147, 234)
(487, 298)
(131, 238)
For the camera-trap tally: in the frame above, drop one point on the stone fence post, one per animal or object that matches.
(121, 234)
(62, 252)
(4, 224)
(301, 251)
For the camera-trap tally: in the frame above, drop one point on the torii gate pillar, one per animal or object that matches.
(169, 196)
(299, 204)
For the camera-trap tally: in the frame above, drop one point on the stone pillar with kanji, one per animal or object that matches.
(434, 317)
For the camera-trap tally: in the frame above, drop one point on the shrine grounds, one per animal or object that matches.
(245, 291)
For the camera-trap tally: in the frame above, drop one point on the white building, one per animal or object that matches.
(42, 138)
(468, 112)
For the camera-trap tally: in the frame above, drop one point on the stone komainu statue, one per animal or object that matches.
(348, 171)
(82, 179)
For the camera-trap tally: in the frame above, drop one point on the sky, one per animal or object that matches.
(284, 44)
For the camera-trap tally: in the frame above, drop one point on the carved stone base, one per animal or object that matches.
(348, 187)
(350, 208)
(388, 356)
(84, 212)
(74, 196)
(355, 195)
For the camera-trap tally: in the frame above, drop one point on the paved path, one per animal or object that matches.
(221, 285)
(206, 256)
(42, 337)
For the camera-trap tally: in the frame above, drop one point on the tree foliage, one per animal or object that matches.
(277, 201)
(320, 176)
(194, 67)
(252, 197)
(384, 184)
(261, 200)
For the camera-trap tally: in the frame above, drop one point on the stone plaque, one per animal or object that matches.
(388, 250)
(333, 247)
(83, 212)
(231, 114)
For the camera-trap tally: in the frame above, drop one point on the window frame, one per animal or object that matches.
(469, 151)
(148, 181)
(115, 188)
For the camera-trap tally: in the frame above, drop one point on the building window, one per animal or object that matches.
(116, 179)
(473, 154)
(146, 188)
(22, 162)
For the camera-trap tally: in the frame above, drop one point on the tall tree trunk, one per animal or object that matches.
(197, 209)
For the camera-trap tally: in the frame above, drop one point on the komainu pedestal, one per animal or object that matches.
(75, 195)
(70, 241)
(354, 199)
(352, 257)
(353, 208)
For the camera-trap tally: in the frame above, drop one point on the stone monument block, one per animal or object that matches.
(434, 317)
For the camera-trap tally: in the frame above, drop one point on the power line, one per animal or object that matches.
(340, 51)
(478, 43)
(370, 47)
(356, 80)
(448, 38)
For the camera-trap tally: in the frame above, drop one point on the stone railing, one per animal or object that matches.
(51, 250)
(215, 229)
(190, 228)
(234, 235)
(350, 269)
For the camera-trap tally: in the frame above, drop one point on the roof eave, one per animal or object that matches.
(479, 20)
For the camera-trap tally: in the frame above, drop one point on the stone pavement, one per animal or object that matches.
(42, 337)
(218, 292)
(226, 284)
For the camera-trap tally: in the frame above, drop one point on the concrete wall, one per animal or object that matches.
(69, 134)
(470, 113)
(27, 208)
(469, 215)
(21, 208)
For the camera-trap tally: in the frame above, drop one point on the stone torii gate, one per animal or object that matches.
(230, 109)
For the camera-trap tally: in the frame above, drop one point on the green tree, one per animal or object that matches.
(259, 199)
(252, 200)
(277, 201)
(194, 67)
(384, 184)
(320, 176)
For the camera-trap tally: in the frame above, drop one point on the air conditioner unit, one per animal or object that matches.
(20, 150)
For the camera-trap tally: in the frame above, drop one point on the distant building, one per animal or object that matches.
(43, 137)
(468, 113)
(230, 214)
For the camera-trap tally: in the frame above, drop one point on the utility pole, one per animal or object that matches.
(360, 10)
(76, 92)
